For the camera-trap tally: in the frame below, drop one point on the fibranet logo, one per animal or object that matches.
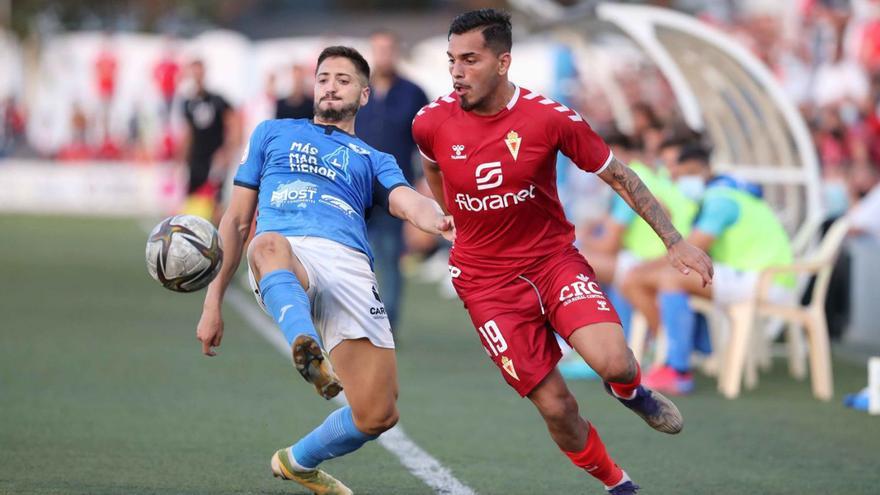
(493, 201)
(488, 175)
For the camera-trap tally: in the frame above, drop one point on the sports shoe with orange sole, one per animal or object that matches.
(315, 480)
(312, 363)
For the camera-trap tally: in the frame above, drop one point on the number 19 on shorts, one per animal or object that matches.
(495, 343)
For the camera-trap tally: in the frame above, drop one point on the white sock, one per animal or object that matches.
(631, 396)
(623, 480)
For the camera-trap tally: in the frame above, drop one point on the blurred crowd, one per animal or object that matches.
(827, 60)
(826, 56)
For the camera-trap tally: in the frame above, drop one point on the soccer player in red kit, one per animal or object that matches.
(489, 152)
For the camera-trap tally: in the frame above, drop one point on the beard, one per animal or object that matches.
(467, 106)
(471, 102)
(336, 114)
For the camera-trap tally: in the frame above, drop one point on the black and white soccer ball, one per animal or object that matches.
(184, 253)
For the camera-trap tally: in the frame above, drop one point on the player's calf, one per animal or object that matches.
(594, 459)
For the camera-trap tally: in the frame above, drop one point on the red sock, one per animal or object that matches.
(594, 459)
(625, 390)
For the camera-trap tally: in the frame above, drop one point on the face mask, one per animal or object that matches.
(836, 198)
(692, 186)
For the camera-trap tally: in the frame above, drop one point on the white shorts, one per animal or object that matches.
(732, 286)
(342, 292)
(624, 263)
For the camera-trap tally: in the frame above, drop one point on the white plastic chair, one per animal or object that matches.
(747, 345)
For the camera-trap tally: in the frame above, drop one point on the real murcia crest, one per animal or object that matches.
(513, 141)
(507, 364)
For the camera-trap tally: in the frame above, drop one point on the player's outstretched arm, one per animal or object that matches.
(435, 181)
(234, 229)
(681, 254)
(421, 211)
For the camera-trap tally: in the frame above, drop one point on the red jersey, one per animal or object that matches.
(499, 179)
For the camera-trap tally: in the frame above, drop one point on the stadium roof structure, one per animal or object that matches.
(723, 91)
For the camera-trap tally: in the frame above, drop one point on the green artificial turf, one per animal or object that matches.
(103, 390)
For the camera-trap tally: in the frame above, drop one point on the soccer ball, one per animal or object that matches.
(184, 253)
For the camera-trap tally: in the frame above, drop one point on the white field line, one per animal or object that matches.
(414, 458)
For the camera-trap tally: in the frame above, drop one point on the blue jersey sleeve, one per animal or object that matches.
(388, 177)
(716, 215)
(251, 169)
(621, 213)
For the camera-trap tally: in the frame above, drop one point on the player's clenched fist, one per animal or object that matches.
(210, 331)
(446, 226)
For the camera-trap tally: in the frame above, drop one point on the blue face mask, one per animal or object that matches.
(692, 186)
(836, 198)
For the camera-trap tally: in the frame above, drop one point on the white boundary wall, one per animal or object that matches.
(90, 188)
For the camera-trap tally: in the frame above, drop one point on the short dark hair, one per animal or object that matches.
(360, 63)
(675, 141)
(679, 136)
(617, 138)
(495, 26)
(696, 152)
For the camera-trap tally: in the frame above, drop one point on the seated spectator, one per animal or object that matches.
(625, 240)
(741, 234)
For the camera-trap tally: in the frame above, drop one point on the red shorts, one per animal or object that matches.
(516, 320)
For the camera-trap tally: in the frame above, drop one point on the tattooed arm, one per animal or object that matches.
(628, 185)
(681, 254)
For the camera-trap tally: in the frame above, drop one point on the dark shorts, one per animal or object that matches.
(516, 321)
(199, 169)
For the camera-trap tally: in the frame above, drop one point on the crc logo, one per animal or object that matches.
(584, 288)
(488, 175)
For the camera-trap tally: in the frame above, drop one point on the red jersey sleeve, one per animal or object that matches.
(423, 134)
(577, 140)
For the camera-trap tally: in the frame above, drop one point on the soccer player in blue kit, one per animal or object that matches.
(313, 183)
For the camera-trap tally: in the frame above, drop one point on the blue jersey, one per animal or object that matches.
(316, 180)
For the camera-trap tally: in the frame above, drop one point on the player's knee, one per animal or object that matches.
(379, 421)
(619, 366)
(267, 247)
